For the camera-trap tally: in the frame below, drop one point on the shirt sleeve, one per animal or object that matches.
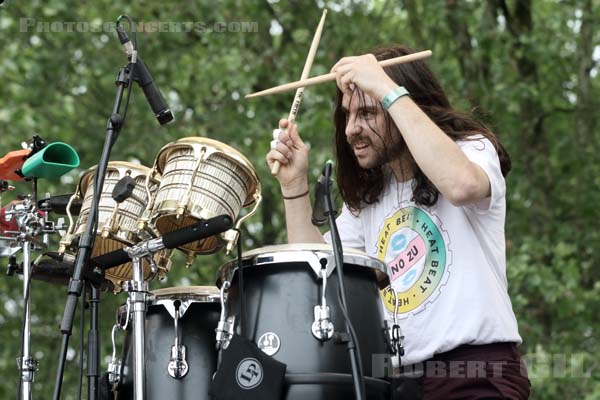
(483, 153)
(350, 229)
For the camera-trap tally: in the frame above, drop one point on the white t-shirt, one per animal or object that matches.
(446, 263)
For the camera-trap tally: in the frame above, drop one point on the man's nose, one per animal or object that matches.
(353, 128)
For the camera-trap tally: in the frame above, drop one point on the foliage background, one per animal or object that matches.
(529, 68)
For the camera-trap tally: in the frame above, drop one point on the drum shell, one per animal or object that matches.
(201, 178)
(197, 326)
(117, 230)
(280, 298)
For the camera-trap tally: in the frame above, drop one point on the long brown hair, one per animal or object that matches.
(359, 186)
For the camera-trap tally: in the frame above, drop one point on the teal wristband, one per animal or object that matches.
(392, 96)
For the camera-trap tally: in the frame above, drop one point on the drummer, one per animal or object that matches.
(424, 190)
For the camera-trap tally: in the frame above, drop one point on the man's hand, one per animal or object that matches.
(292, 154)
(366, 73)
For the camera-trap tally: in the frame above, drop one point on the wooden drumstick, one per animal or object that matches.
(300, 90)
(331, 77)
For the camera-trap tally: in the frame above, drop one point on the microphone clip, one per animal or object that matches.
(323, 204)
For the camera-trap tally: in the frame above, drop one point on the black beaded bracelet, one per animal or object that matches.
(297, 196)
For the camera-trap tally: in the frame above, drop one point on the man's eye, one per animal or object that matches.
(367, 114)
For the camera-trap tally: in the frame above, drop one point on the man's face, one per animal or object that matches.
(367, 132)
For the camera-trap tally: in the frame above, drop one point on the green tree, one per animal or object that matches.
(528, 68)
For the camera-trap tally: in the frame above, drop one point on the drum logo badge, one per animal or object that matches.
(269, 343)
(249, 373)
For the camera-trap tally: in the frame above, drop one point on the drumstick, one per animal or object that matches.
(300, 90)
(331, 77)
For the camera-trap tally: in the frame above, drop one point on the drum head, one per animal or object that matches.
(314, 254)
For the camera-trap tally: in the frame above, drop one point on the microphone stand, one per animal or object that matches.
(86, 244)
(330, 212)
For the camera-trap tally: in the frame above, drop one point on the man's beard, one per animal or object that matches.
(385, 154)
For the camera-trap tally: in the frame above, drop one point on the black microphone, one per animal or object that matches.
(322, 187)
(171, 240)
(58, 204)
(142, 75)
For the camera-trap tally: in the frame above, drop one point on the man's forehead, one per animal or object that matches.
(355, 100)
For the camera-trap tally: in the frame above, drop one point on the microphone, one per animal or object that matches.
(171, 240)
(322, 187)
(58, 204)
(142, 75)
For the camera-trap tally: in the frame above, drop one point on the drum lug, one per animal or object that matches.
(114, 366)
(231, 237)
(189, 259)
(226, 324)
(395, 340)
(178, 366)
(181, 208)
(65, 243)
(114, 373)
(225, 332)
(394, 334)
(322, 327)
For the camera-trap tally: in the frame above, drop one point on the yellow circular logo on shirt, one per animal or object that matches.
(415, 250)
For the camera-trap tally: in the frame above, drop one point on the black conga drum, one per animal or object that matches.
(282, 286)
(198, 310)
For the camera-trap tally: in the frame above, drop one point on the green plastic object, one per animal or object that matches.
(52, 162)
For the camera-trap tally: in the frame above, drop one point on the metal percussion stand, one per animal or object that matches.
(138, 290)
(31, 224)
(28, 224)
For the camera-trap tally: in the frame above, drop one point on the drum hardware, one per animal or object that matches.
(5, 187)
(232, 235)
(322, 327)
(122, 191)
(67, 238)
(178, 366)
(137, 287)
(30, 223)
(28, 367)
(394, 334)
(114, 366)
(226, 323)
(144, 230)
(184, 204)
